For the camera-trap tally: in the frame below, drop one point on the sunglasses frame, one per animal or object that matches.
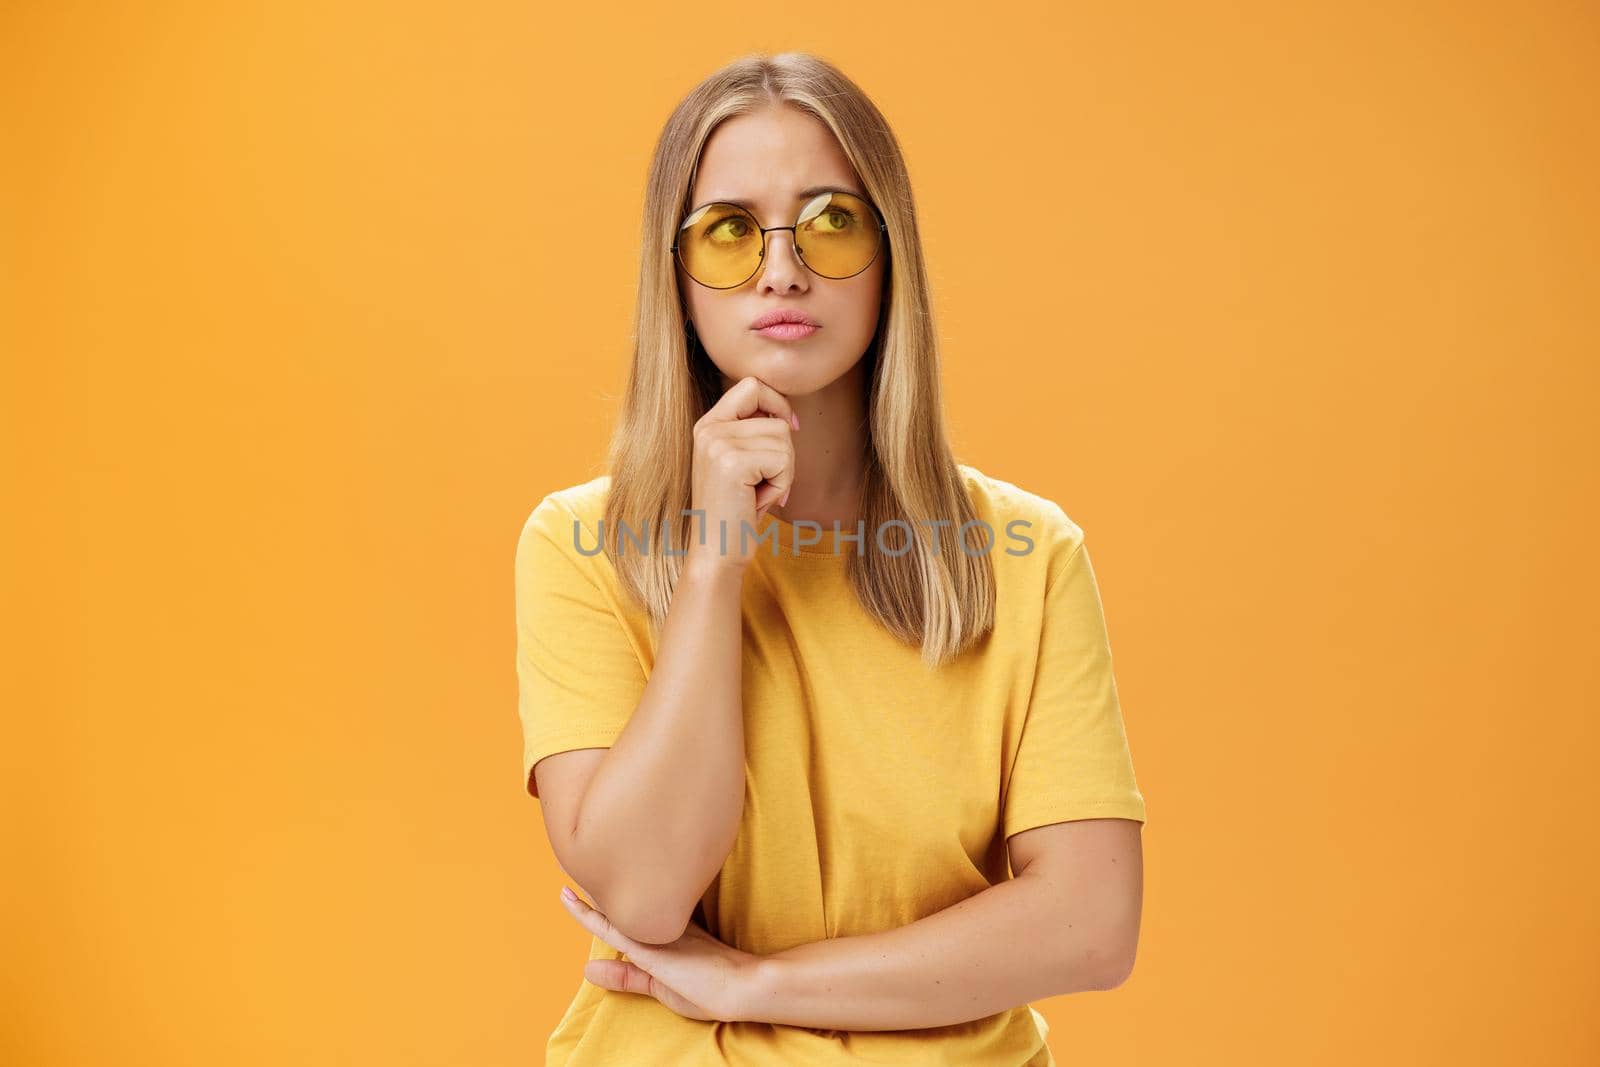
(883, 240)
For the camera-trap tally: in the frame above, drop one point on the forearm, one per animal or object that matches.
(662, 811)
(1003, 947)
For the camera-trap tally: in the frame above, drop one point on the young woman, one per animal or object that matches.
(823, 722)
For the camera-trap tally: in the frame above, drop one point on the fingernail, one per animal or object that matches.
(784, 500)
(794, 420)
(569, 894)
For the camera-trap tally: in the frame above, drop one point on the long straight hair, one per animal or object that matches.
(942, 599)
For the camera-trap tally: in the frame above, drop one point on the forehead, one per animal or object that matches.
(766, 159)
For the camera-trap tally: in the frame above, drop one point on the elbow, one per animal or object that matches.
(650, 910)
(1106, 961)
(650, 924)
(1107, 968)
(647, 913)
(1113, 975)
(1099, 965)
(644, 913)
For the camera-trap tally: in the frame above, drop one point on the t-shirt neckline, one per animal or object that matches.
(826, 547)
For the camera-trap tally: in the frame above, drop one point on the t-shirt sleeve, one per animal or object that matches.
(579, 677)
(1073, 760)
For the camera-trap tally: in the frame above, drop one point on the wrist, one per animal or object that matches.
(707, 568)
(766, 990)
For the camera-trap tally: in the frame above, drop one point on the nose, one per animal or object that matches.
(782, 269)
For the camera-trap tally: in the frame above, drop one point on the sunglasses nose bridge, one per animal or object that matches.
(766, 245)
(766, 237)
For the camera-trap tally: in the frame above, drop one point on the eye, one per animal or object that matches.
(833, 219)
(732, 228)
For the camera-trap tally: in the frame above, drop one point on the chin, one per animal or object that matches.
(793, 370)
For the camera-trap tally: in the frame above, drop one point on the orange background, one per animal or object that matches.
(1293, 308)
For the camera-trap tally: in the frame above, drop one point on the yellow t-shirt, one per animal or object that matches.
(878, 791)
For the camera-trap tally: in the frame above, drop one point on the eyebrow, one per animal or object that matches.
(804, 194)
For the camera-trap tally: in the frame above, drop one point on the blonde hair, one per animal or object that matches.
(942, 599)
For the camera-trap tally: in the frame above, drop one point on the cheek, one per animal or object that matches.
(865, 305)
(713, 319)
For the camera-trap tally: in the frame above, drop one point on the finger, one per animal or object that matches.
(621, 975)
(772, 493)
(768, 495)
(762, 464)
(756, 426)
(626, 977)
(771, 486)
(600, 926)
(748, 396)
(746, 460)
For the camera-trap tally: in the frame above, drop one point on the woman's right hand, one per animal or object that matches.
(743, 462)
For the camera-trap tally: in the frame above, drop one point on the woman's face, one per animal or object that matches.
(765, 159)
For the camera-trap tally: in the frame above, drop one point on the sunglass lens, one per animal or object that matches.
(719, 245)
(837, 235)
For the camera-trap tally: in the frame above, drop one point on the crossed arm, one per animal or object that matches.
(1068, 922)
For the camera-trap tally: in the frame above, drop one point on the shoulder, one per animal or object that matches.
(563, 514)
(1015, 513)
(585, 501)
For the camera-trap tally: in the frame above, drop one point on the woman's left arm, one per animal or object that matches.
(1066, 923)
